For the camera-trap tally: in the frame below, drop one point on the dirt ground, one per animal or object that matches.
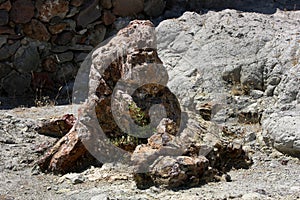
(272, 176)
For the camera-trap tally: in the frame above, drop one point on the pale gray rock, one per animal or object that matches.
(282, 129)
(75, 178)
(239, 67)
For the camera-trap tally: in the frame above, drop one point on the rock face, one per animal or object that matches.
(237, 69)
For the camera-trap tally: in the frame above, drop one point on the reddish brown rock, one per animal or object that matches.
(57, 28)
(89, 14)
(76, 3)
(41, 80)
(108, 18)
(36, 30)
(125, 8)
(3, 17)
(68, 152)
(49, 64)
(5, 6)
(57, 127)
(68, 155)
(6, 30)
(49, 9)
(172, 172)
(22, 11)
(107, 4)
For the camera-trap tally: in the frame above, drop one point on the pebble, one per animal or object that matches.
(75, 178)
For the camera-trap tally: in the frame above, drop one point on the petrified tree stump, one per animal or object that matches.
(130, 116)
(125, 78)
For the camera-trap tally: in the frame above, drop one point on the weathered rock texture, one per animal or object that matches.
(125, 82)
(110, 63)
(240, 70)
(55, 27)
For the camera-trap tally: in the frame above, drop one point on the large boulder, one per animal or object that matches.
(237, 68)
(283, 131)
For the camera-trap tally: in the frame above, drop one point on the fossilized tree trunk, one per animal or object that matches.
(128, 58)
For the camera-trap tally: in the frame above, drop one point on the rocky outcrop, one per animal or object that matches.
(240, 70)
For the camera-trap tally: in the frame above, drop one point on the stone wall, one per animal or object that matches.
(43, 42)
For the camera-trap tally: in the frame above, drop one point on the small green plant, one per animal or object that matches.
(138, 115)
(129, 142)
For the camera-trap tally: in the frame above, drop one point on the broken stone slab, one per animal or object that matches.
(67, 155)
(200, 146)
(57, 127)
(178, 171)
